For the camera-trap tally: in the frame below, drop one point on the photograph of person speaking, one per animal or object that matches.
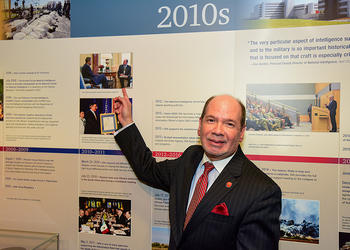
(218, 198)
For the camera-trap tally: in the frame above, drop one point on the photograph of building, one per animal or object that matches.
(291, 9)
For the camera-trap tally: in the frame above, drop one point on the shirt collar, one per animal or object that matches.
(219, 165)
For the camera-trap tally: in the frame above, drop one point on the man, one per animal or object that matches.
(309, 112)
(332, 106)
(119, 217)
(81, 220)
(96, 79)
(31, 11)
(124, 73)
(127, 228)
(87, 216)
(241, 207)
(92, 120)
(82, 122)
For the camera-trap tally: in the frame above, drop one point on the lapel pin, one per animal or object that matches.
(228, 184)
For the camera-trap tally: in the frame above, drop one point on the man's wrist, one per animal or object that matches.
(123, 128)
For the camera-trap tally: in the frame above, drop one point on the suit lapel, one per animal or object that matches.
(218, 190)
(183, 190)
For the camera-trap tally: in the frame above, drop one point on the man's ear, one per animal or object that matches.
(199, 127)
(241, 136)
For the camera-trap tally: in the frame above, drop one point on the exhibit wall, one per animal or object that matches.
(61, 170)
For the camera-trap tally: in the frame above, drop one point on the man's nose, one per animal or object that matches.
(218, 128)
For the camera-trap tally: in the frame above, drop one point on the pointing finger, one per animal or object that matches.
(125, 95)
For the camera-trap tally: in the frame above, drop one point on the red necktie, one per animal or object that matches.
(199, 191)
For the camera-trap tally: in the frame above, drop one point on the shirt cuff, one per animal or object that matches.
(120, 130)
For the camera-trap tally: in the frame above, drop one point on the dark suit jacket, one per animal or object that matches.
(332, 106)
(127, 70)
(87, 72)
(253, 200)
(92, 125)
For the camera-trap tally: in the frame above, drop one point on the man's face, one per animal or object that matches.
(81, 213)
(93, 107)
(82, 114)
(220, 129)
(125, 62)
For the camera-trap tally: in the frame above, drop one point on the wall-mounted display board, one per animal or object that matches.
(63, 62)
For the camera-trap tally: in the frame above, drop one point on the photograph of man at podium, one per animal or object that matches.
(325, 111)
(293, 107)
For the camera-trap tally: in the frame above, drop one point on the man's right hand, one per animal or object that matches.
(122, 107)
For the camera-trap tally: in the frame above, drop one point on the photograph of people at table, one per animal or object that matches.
(105, 216)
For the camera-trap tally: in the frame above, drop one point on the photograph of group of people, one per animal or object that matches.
(104, 216)
(267, 116)
(106, 70)
(308, 107)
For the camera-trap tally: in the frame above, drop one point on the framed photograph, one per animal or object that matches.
(108, 123)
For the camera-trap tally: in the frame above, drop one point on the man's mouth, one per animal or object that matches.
(216, 142)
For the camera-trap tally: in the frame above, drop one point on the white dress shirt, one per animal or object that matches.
(218, 167)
